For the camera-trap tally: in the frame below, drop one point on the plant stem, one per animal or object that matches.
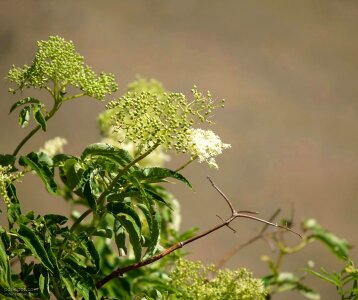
(74, 96)
(187, 163)
(33, 131)
(258, 236)
(234, 214)
(102, 197)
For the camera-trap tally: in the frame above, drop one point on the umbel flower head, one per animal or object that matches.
(205, 145)
(56, 60)
(150, 117)
(117, 138)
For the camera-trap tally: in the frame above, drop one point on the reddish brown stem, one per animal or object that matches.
(234, 214)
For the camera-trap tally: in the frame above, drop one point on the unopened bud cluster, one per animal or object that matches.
(56, 60)
(150, 118)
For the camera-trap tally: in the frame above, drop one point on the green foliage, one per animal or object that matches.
(279, 281)
(128, 217)
(192, 280)
(345, 281)
(337, 245)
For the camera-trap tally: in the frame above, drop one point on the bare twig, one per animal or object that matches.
(234, 214)
(259, 235)
(222, 194)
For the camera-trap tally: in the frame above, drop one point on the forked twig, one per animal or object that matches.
(234, 214)
(259, 235)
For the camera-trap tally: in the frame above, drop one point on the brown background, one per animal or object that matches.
(288, 70)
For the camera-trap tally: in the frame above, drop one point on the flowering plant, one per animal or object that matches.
(124, 223)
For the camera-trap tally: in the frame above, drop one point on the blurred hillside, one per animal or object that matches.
(288, 70)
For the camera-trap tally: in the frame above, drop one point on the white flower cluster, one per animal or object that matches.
(205, 145)
(54, 146)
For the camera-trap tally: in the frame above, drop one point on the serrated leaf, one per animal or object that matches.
(44, 282)
(308, 292)
(104, 232)
(156, 174)
(5, 269)
(119, 156)
(120, 238)
(69, 285)
(337, 245)
(13, 211)
(154, 234)
(24, 101)
(91, 252)
(119, 207)
(71, 173)
(134, 233)
(119, 197)
(34, 244)
(55, 219)
(39, 118)
(326, 277)
(43, 166)
(61, 158)
(24, 116)
(149, 190)
(4, 237)
(81, 279)
(87, 192)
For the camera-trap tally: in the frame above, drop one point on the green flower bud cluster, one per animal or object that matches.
(154, 117)
(56, 60)
(105, 121)
(193, 280)
(6, 178)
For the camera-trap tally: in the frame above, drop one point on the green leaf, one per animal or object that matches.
(152, 175)
(21, 102)
(7, 159)
(119, 207)
(4, 237)
(61, 158)
(152, 192)
(154, 234)
(308, 292)
(119, 197)
(337, 245)
(134, 233)
(326, 276)
(13, 211)
(34, 244)
(5, 269)
(119, 156)
(88, 246)
(39, 118)
(68, 283)
(24, 116)
(44, 284)
(55, 219)
(104, 232)
(87, 192)
(120, 238)
(43, 166)
(71, 173)
(81, 279)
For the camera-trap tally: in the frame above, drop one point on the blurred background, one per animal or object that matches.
(288, 70)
